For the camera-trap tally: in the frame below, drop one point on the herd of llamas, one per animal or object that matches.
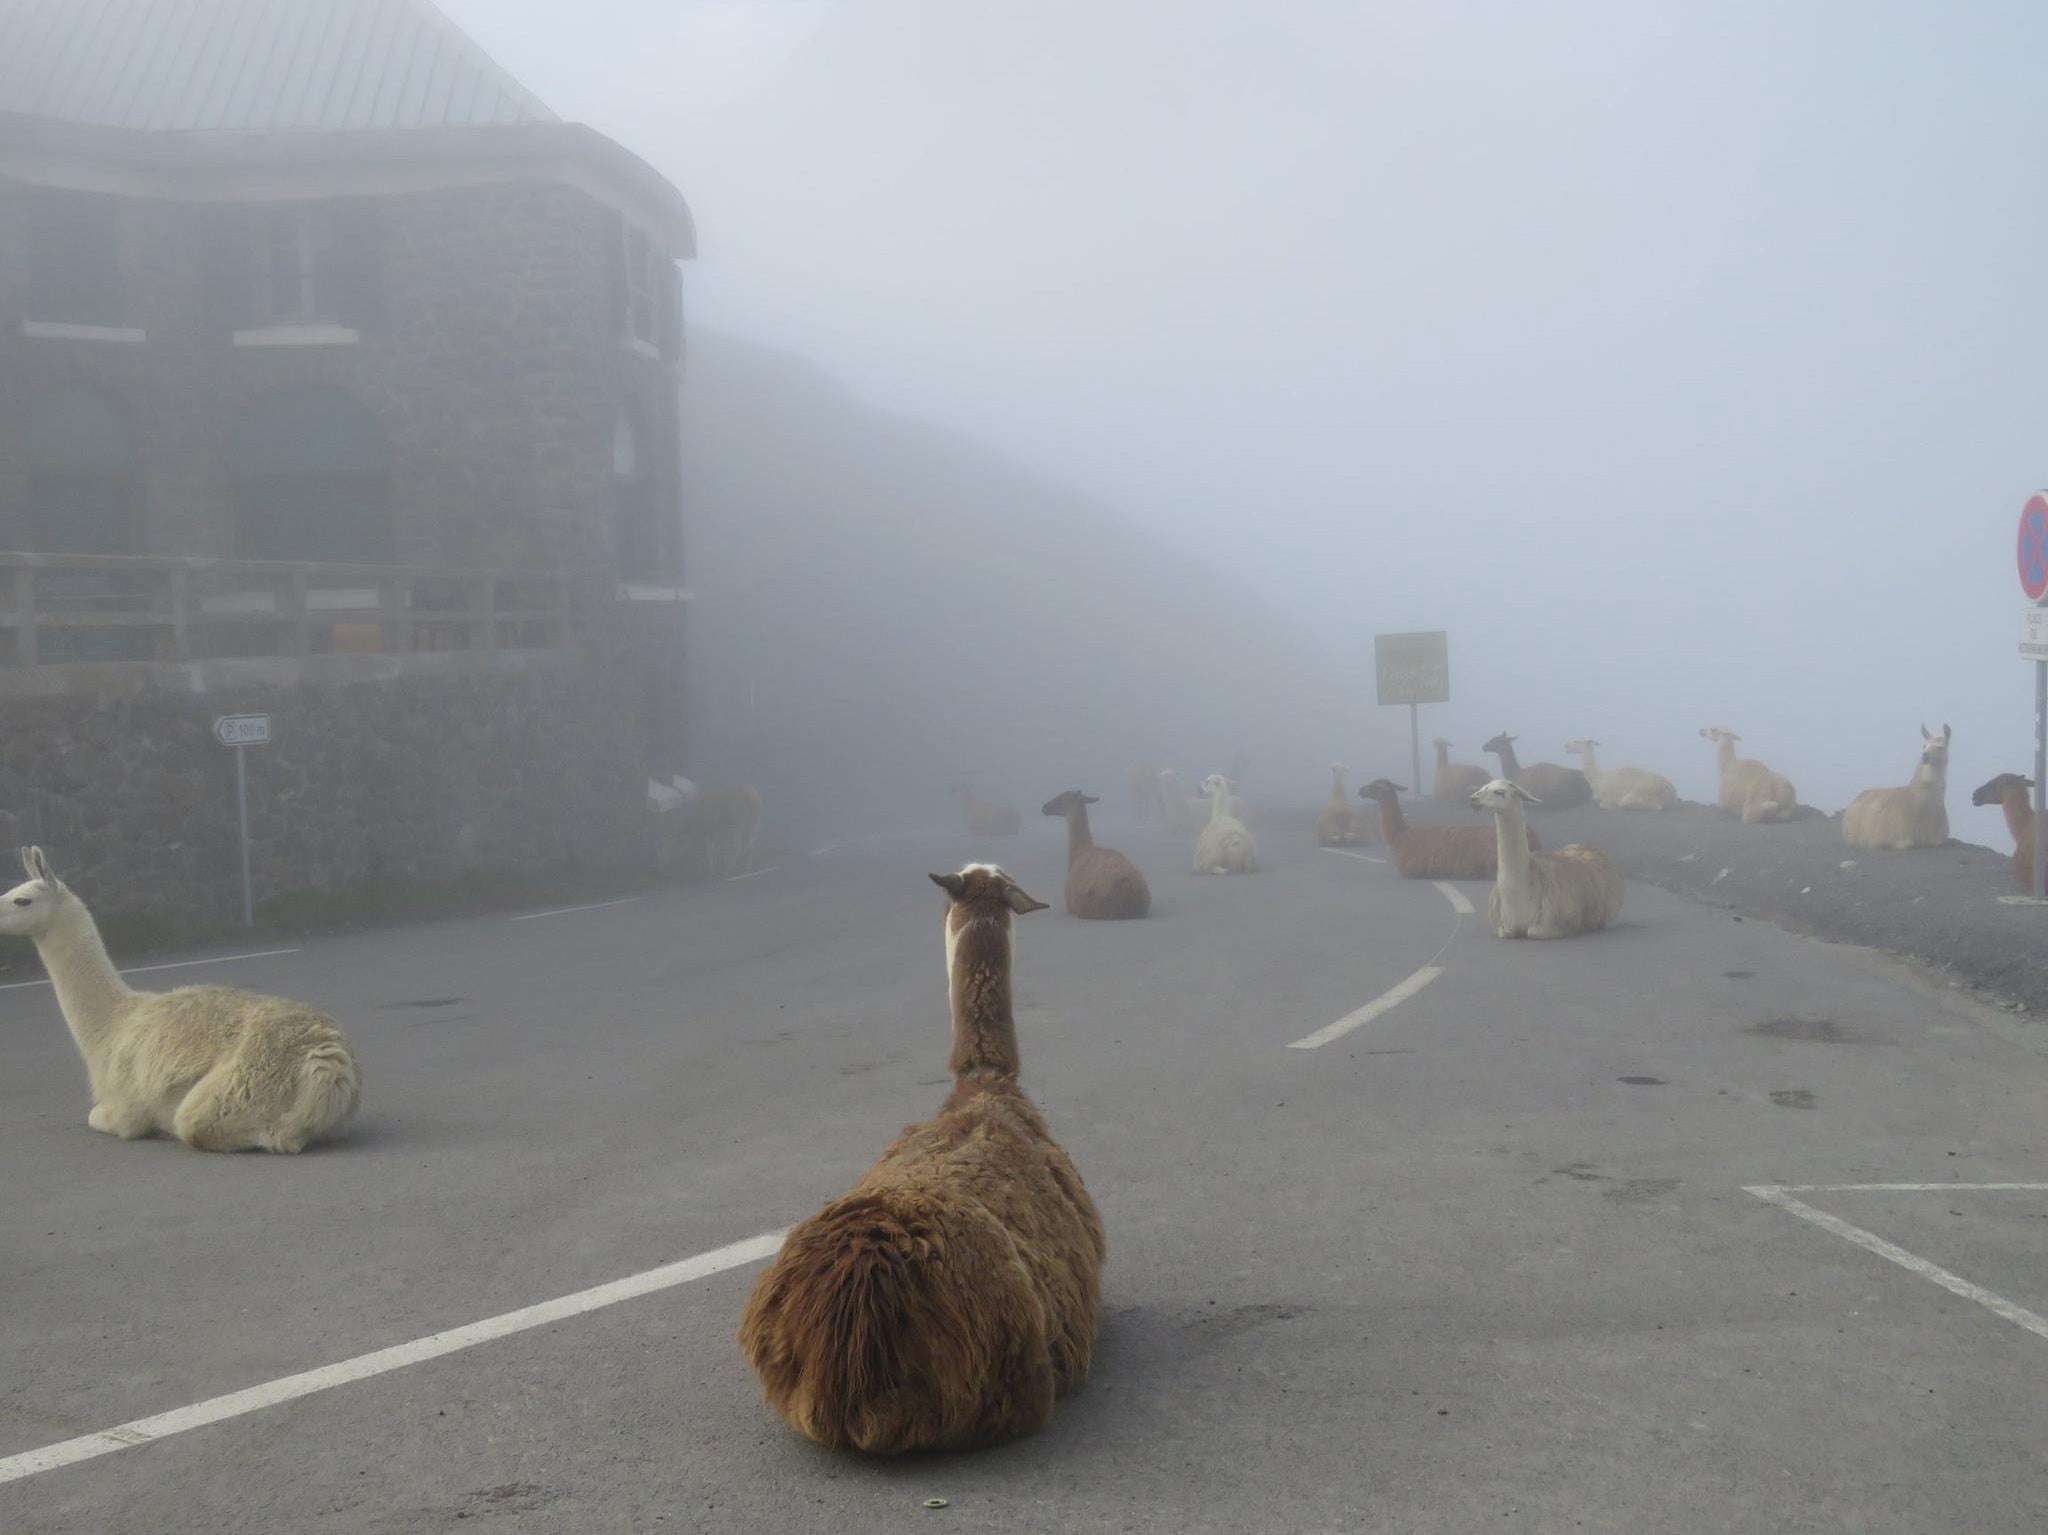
(951, 1295)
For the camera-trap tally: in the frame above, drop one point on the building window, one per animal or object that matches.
(82, 473)
(312, 474)
(74, 273)
(646, 290)
(647, 539)
(297, 265)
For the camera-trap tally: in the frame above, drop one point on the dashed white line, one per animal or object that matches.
(291, 1387)
(1454, 895)
(563, 911)
(733, 879)
(1345, 852)
(1955, 1284)
(177, 964)
(1385, 1002)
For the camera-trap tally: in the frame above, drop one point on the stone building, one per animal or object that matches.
(338, 379)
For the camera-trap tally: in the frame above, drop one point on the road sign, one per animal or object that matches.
(1413, 668)
(243, 729)
(2034, 633)
(2033, 546)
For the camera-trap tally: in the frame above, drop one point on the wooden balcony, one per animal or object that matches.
(71, 610)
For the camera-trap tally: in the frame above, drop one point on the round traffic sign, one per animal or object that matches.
(2034, 546)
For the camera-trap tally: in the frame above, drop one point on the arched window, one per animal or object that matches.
(312, 480)
(83, 484)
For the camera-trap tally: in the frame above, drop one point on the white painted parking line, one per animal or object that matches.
(176, 964)
(733, 879)
(563, 911)
(1345, 852)
(1455, 896)
(1955, 1284)
(384, 1360)
(1385, 1002)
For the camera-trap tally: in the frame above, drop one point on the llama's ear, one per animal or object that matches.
(954, 886)
(1091, 799)
(36, 864)
(1524, 794)
(1925, 733)
(1944, 734)
(1019, 902)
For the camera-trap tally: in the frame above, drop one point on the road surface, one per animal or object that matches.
(1488, 1258)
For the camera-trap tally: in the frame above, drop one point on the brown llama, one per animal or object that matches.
(1436, 852)
(2010, 792)
(1101, 882)
(983, 819)
(1553, 785)
(950, 1295)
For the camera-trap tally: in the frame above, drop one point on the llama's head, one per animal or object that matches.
(1216, 784)
(1934, 748)
(1385, 790)
(1169, 777)
(1439, 741)
(27, 910)
(1499, 743)
(982, 888)
(1994, 792)
(1719, 733)
(1501, 795)
(1579, 747)
(1063, 804)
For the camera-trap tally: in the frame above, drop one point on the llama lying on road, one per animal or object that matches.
(1749, 789)
(222, 1070)
(1914, 816)
(1435, 852)
(1224, 847)
(1544, 895)
(1626, 788)
(1340, 824)
(1549, 784)
(951, 1294)
(983, 819)
(2011, 793)
(1455, 782)
(1101, 882)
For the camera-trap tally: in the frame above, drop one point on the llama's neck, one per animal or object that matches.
(1443, 755)
(89, 989)
(1393, 824)
(1219, 806)
(1078, 835)
(1337, 794)
(1725, 753)
(984, 1029)
(1511, 836)
(1588, 763)
(1930, 778)
(1510, 765)
(2019, 814)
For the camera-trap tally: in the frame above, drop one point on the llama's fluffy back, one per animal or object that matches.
(229, 1070)
(1556, 787)
(1573, 890)
(944, 1301)
(1451, 852)
(1457, 782)
(1896, 818)
(1341, 826)
(1103, 883)
(1632, 788)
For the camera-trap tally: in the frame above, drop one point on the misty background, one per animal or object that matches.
(1685, 362)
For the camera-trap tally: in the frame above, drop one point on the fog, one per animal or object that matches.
(1683, 361)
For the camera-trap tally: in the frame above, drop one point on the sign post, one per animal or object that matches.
(242, 731)
(2033, 564)
(1413, 669)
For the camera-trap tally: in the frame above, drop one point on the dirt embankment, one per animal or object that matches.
(1939, 905)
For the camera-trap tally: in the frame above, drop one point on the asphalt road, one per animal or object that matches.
(1487, 1261)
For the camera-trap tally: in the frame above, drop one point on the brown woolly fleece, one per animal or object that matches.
(2010, 792)
(1436, 852)
(1555, 786)
(949, 1296)
(1101, 882)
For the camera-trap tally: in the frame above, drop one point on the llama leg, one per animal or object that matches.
(216, 1114)
(130, 1121)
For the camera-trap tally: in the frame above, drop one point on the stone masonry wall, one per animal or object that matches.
(459, 764)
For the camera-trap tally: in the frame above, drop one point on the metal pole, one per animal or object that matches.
(2040, 779)
(242, 810)
(1415, 744)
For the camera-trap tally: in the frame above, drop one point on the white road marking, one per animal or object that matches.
(177, 964)
(1455, 896)
(1345, 852)
(820, 852)
(563, 911)
(1909, 1188)
(291, 1387)
(733, 879)
(1385, 1002)
(1955, 1284)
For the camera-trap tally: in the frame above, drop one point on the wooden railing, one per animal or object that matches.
(63, 609)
